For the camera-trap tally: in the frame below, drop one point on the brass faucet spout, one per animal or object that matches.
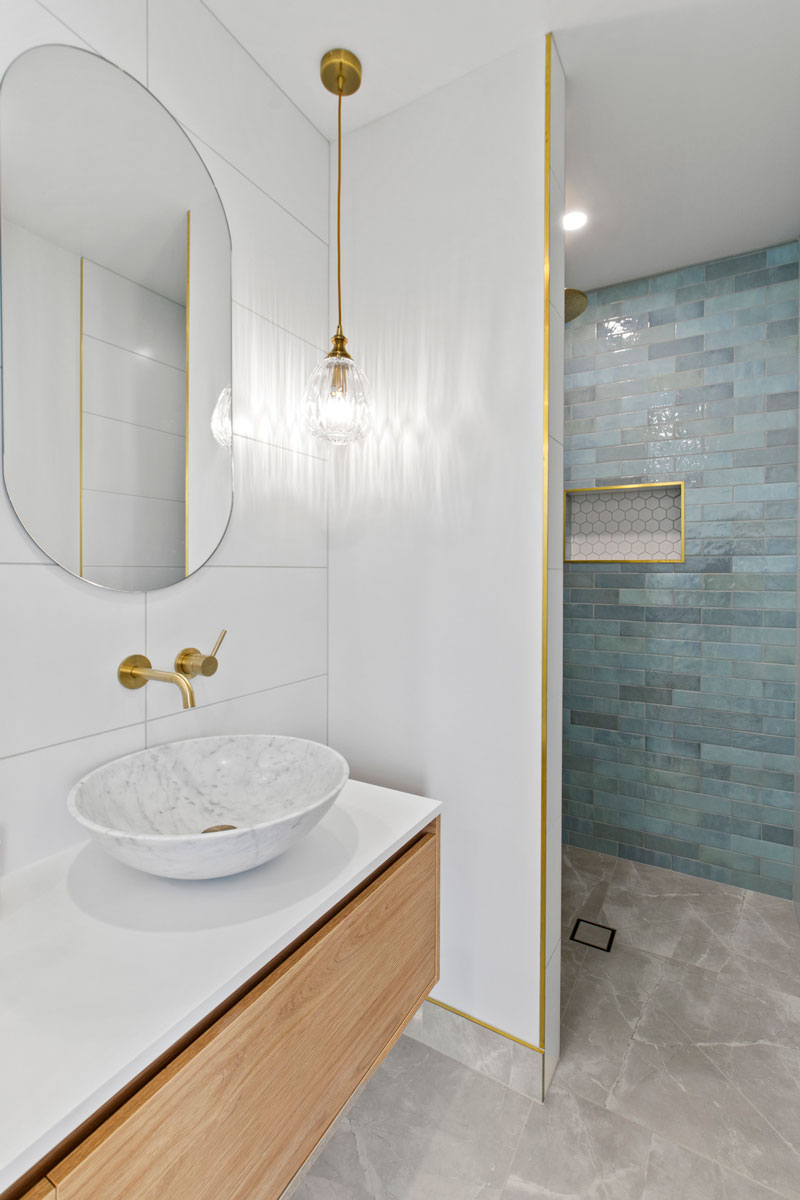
(181, 682)
(135, 670)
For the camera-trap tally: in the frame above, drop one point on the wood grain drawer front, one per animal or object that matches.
(41, 1191)
(238, 1112)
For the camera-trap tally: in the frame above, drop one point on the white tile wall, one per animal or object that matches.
(145, 392)
(62, 710)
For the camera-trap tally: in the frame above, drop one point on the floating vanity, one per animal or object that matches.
(172, 1038)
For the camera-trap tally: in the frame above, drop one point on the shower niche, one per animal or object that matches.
(632, 522)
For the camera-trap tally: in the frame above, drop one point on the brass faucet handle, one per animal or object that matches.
(191, 661)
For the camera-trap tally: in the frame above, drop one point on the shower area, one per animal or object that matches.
(680, 589)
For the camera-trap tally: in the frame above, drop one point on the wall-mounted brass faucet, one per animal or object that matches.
(136, 670)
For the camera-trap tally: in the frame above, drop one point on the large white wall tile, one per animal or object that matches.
(145, 392)
(555, 508)
(116, 30)
(280, 268)
(270, 372)
(34, 821)
(437, 519)
(276, 630)
(280, 518)
(25, 24)
(118, 457)
(62, 644)
(123, 313)
(295, 710)
(218, 91)
(131, 530)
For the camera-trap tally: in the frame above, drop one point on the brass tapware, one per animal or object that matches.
(136, 670)
(191, 662)
(575, 303)
(218, 828)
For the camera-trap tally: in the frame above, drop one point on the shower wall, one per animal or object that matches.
(679, 686)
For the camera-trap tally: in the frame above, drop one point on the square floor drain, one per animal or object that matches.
(588, 933)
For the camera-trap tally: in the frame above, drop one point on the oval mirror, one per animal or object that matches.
(116, 325)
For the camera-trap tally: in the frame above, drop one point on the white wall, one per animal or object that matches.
(134, 470)
(437, 520)
(62, 710)
(43, 372)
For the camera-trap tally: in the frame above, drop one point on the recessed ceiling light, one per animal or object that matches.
(574, 220)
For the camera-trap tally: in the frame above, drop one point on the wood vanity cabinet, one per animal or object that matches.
(41, 1191)
(237, 1112)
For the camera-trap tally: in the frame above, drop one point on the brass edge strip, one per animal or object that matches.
(80, 439)
(484, 1025)
(186, 480)
(628, 487)
(546, 536)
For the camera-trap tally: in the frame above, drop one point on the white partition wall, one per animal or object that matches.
(437, 520)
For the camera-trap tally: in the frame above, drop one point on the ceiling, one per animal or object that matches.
(407, 50)
(682, 137)
(682, 115)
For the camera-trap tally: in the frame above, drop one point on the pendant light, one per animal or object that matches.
(337, 398)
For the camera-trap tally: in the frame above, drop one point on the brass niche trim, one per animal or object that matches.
(631, 487)
(484, 1025)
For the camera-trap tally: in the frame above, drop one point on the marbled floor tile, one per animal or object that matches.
(687, 923)
(574, 1150)
(607, 1001)
(675, 1173)
(424, 1128)
(670, 1082)
(765, 946)
(499, 1057)
(572, 956)
(584, 877)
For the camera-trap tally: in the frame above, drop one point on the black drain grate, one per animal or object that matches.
(589, 933)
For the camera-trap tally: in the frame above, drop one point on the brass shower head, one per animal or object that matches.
(575, 303)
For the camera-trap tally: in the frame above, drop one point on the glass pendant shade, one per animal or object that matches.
(221, 418)
(338, 402)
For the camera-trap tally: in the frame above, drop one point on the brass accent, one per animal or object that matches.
(340, 72)
(218, 828)
(192, 662)
(80, 441)
(484, 1024)
(575, 303)
(338, 342)
(126, 668)
(631, 487)
(546, 540)
(136, 670)
(186, 466)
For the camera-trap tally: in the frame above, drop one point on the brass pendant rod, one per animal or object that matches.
(339, 210)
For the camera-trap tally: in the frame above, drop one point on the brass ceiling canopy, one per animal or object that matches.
(575, 303)
(340, 72)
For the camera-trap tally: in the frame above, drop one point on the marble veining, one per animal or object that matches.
(150, 809)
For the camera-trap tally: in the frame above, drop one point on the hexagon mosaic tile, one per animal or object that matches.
(631, 525)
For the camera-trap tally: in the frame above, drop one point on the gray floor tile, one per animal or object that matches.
(577, 1150)
(674, 1173)
(424, 1128)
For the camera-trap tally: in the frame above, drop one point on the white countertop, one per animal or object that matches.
(102, 968)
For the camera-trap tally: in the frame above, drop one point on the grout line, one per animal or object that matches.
(83, 737)
(253, 182)
(248, 437)
(135, 424)
(245, 695)
(262, 69)
(61, 21)
(513, 1158)
(125, 350)
(284, 328)
(132, 496)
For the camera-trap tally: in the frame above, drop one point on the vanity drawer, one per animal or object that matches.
(238, 1112)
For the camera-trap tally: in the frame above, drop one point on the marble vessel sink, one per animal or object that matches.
(151, 809)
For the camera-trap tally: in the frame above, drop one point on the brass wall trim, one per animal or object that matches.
(630, 487)
(484, 1025)
(186, 481)
(545, 543)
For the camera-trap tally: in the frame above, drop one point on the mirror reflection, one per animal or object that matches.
(115, 325)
